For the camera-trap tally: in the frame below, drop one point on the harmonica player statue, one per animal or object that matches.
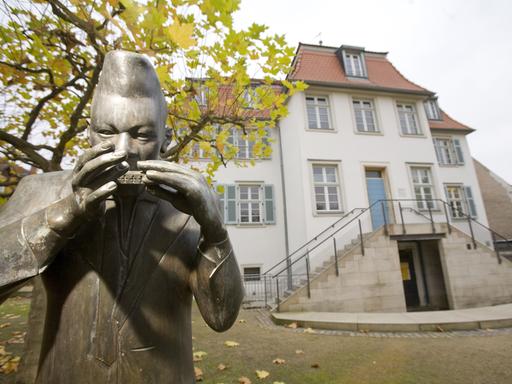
(121, 255)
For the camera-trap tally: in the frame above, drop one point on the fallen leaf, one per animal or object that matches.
(10, 366)
(262, 374)
(198, 373)
(439, 329)
(279, 361)
(315, 365)
(292, 325)
(244, 380)
(4, 325)
(278, 382)
(299, 352)
(242, 321)
(309, 330)
(198, 356)
(222, 367)
(231, 344)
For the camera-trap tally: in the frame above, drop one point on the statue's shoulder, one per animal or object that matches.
(35, 192)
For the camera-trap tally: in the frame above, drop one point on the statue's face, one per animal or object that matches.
(136, 125)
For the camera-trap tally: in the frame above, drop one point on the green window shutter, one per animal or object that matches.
(458, 151)
(230, 204)
(470, 201)
(270, 214)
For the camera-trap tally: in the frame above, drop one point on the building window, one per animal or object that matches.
(245, 146)
(326, 188)
(249, 98)
(252, 273)
(460, 200)
(201, 96)
(408, 119)
(354, 64)
(432, 110)
(448, 151)
(318, 112)
(423, 187)
(364, 112)
(247, 203)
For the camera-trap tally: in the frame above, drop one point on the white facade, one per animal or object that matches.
(383, 147)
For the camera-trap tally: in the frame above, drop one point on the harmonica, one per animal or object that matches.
(131, 177)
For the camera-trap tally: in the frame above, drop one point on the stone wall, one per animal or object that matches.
(473, 277)
(369, 283)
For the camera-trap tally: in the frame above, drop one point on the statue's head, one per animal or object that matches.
(128, 107)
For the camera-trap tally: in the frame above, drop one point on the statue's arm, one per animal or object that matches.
(30, 239)
(217, 284)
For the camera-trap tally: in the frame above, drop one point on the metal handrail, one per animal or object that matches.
(357, 217)
(315, 238)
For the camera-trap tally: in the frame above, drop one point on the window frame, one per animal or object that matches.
(422, 205)
(454, 148)
(251, 277)
(431, 105)
(463, 203)
(337, 184)
(373, 110)
(232, 206)
(236, 136)
(330, 120)
(420, 131)
(348, 58)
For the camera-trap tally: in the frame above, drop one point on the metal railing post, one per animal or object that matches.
(361, 236)
(498, 256)
(277, 289)
(447, 218)
(335, 257)
(385, 218)
(471, 231)
(307, 275)
(402, 218)
(430, 215)
(265, 289)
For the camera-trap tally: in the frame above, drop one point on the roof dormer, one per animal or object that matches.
(353, 61)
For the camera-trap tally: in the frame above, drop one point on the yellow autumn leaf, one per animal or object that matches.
(292, 325)
(231, 344)
(198, 373)
(222, 367)
(244, 380)
(10, 366)
(205, 146)
(181, 34)
(262, 374)
(279, 361)
(198, 356)
(309, 330)
(299, 352)
(278, 382)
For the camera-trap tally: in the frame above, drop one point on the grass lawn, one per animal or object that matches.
(323, 359)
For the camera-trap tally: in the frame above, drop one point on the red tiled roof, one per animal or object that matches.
(320, 64)
(448, 123)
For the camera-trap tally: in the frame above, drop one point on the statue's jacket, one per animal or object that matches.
(119, 293)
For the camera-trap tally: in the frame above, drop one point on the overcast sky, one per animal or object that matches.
(460, 49)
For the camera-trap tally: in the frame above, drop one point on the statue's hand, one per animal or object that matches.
(189, 192)
(94, 177)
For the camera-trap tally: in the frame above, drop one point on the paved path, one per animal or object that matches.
(474, 321)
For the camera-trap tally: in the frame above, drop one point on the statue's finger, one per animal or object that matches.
(181, 182)
(175, 198)
(96, 166)
(165, 166)
(93, 152)
(95, 198)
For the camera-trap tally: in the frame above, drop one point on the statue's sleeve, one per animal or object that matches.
(217, 284)
(28, 242)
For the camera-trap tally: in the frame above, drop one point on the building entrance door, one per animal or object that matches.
(376, 191)
(412, 298)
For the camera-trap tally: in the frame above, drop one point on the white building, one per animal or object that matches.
(363, 135)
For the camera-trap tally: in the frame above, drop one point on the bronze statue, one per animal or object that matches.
(120, 260)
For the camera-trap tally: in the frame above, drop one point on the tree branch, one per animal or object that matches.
(26, 148)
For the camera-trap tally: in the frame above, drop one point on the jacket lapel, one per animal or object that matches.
(156, 227)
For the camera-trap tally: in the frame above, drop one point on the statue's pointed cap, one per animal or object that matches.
(128, 74)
